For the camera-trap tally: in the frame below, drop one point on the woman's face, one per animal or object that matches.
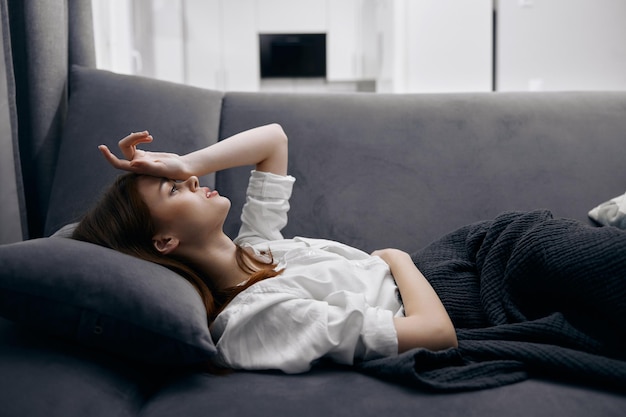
(184, 209)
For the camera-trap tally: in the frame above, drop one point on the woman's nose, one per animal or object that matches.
(193, 183)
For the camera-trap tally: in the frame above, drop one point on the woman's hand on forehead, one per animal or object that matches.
(158, 164)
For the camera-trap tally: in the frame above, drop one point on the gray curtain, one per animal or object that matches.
(12, 225)
(41, 40)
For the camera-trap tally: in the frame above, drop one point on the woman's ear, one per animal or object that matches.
(165, 244)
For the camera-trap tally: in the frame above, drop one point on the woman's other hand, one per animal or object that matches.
(390, 255)
(426, 323)
(158, 164)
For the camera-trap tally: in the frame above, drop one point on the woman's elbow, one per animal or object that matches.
(414, 332)
(277, 150)
(448, 337)
(442, 337)
(279, 133)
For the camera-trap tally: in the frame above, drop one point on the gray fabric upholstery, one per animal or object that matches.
(103, 299)
(463, 156)
(329, 392)
(105, 107)
(44, 376)
(377, 171)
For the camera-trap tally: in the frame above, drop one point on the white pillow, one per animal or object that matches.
(611, 213)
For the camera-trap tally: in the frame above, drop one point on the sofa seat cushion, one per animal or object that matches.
(48, 376)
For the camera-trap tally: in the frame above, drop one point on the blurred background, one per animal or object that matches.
(386, 46)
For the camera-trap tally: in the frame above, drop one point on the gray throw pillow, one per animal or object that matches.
(104, 299)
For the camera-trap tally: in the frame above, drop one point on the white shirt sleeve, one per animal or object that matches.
(280, 330)
(265, 212)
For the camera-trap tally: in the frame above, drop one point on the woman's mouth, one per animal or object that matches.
(208, 193)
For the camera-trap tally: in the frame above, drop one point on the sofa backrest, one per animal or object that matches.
(401, 170)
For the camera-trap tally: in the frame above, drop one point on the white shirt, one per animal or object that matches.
(331, 300)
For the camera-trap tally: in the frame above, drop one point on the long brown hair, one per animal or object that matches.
(121, 220)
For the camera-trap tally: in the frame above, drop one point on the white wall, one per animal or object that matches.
(292, 16)
(168, 40)
(113, 36)
(422, 45)
(435, 46)
(449, 45)
(561, 45)
(391, 26)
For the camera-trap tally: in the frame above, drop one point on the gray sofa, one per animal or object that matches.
(372, 171)
(87, 332)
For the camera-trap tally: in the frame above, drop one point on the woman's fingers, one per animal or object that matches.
(140, 165)
(128, 147)
(113, 160)
(142, 162)
(128, 143)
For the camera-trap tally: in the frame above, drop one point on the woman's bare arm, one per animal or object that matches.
(426, 323)
(266, 147)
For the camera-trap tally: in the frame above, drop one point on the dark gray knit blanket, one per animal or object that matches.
(529, 295)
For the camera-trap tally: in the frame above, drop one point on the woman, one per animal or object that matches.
(273, 303)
